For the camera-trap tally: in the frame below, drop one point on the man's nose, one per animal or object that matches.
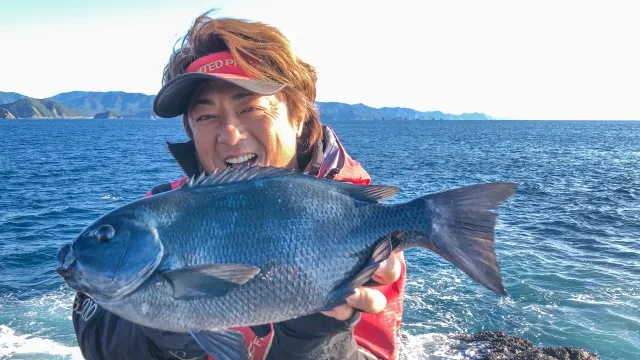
(231, 133)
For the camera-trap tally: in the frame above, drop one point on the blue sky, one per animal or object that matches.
(523, 60)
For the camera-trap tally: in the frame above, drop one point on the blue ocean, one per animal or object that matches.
(568, 242)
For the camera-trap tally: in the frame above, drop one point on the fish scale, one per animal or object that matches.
(252, 246)
(286, 284)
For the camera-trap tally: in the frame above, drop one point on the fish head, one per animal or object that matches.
(113, 256)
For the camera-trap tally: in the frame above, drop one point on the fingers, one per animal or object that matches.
(364, 299)
(367, 300)
(389, 270)
(341, 313)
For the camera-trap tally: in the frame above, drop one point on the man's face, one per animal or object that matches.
(232, 126)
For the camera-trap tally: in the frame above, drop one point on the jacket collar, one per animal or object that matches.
(329, 160)
(185, 155)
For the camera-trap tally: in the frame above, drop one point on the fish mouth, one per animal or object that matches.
(73, 279)
(63, 253)
(68, 267)
(67, 262)
(72, 276)
(237, 161)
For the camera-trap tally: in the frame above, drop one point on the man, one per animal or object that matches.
(245, 99)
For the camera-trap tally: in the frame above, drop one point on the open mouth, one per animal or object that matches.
(240, 161)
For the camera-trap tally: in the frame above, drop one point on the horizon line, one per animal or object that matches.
(504, 118)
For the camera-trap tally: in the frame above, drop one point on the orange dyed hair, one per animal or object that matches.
(275, 61)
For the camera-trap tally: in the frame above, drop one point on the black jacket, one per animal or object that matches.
(103, 335)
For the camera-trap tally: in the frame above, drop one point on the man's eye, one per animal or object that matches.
(205, 117)
(250, 109)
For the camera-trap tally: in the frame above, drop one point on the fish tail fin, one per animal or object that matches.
(460, 228)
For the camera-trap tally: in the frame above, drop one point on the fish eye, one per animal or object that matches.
(104, 233)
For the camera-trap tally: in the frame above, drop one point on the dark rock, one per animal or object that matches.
(500, 346)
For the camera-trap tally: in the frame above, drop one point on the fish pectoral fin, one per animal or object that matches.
(368, 193)
(209, 280)
(381, 252)
(223, 345)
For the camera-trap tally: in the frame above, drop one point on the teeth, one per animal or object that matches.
(240, 159)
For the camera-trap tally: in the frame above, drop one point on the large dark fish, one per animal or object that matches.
(259, 245)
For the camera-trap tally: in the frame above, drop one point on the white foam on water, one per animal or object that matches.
(50, 306)
(26, 325)
(588, 299)
(112, 197)
(12, 344)
(434, 346)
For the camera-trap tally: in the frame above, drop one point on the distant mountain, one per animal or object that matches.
(92, 103)
(337, 110)
(140, 106)
(9, 97)
(29, 108)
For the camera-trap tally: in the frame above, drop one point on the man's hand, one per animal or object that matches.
(366, 299)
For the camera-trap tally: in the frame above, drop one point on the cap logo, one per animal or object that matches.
(215, 65)
(220, 63)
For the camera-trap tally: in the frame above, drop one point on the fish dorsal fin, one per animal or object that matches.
(368, 193)
(230, 175)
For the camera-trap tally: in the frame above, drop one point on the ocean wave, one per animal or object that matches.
(111, 197)
(38, 327)
(12, 344)
(57, 302)
(434, 346)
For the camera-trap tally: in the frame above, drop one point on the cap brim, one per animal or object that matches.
(173, 98)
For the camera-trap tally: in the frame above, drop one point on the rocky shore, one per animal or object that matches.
(496, 345)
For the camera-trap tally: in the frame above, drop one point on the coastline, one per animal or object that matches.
(497, 345)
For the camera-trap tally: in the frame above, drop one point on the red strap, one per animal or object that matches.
(258, 348)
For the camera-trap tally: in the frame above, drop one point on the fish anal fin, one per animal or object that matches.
(381, 252)
(223, 345)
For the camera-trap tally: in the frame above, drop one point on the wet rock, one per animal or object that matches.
(499, 346)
